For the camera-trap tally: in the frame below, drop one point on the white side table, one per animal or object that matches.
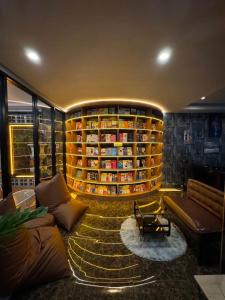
(213, 286)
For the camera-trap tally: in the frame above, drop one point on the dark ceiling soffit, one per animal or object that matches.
(20, 83)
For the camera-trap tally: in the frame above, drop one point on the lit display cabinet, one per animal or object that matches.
(59, 139)
(45, 140)
(114, 151)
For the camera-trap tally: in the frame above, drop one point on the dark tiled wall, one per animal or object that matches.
(176, 151)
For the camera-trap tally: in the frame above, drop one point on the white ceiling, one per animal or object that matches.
(107, 49)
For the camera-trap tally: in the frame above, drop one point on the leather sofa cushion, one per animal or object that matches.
(53, 192)
(51, 261)
(31, 257)
(67, 214)
(196, 217)
(46, 220)
(16, 256)
(7, 205)
(208, 197)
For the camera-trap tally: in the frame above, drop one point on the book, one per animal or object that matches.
(92, 124)
(141, 163)
(92, 138)
(78, 125)
(109, 151)
(125, 151)
(91, 151)
(92, 175)
(78, 138)
(92, 163)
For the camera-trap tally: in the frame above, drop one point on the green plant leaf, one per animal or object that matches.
(12, 220)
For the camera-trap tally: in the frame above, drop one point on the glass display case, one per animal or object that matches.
(45, 139)
(59, 140)
(20, 116)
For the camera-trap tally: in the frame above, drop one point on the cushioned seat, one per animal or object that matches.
(28, 256)
(199, 215)
(193, 215)
(50, 262)
(55, 195)
(47, 220)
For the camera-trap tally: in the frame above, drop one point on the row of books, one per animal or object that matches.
(141, 124)
(142, 137)
(92, 138)
(92, 124)
(126, 124)
(91, 151)
(141, 163)
(108, 137)
(125, 164)
(123, 151)
(92, 175)
(126, 137)
(101, 111)
(108, 177)
(92, 163)
(110, 151)
(101, 189)
(141, 150)
(109, 164)
(131, 111)
(114, 177)
(113, 164)
(129, 189)
(141, 175)
(108, 123)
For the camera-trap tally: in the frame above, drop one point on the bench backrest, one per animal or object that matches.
(206, 196)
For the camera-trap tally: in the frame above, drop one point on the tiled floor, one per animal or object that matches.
(105, 269)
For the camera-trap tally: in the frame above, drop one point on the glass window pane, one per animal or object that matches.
(45, 140)
(59, 140)
(21, 137)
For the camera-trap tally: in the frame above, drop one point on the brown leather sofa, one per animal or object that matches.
(33, 255)
(199, 214)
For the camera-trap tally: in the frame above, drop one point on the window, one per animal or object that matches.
(21, 137)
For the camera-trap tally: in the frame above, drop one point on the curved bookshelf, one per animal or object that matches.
(114, 154)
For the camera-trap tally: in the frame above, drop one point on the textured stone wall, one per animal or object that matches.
(186, 138)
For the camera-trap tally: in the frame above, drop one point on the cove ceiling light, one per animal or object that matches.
(32, 55)
(164, 56)
(111, 100)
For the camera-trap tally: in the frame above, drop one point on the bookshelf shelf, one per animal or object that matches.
(114, 151)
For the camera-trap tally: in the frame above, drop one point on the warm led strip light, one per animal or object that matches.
(123, 100)
(105, 217)
(104, 279)
(85, 283)
(11, 142)
(100, 229)
(98, 254)
(101, 267)
(95, 240)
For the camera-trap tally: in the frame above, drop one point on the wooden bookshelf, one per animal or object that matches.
(116, 153)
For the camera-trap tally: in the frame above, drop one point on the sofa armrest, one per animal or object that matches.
(169, 202)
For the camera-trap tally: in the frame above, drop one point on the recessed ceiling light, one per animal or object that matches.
(164, 56)
(32, 55)
(203, 98)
